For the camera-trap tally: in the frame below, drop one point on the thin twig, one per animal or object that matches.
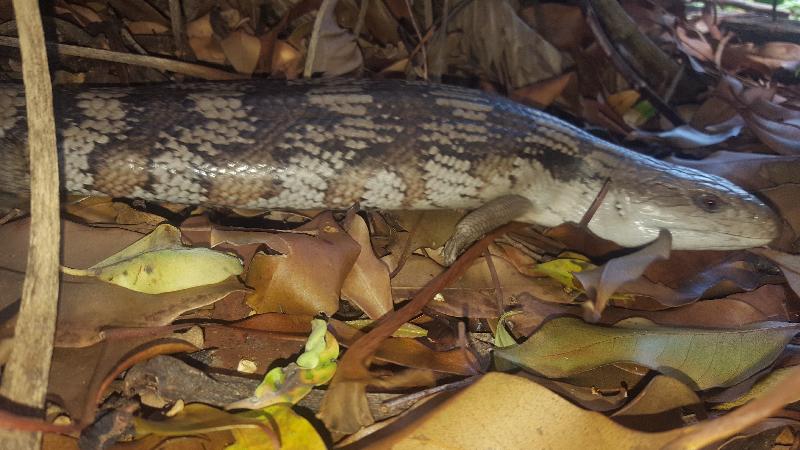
(169, 65)
(498, 289)
(354, 363)
(26, 373)
(405, 401)
(419, 36)
(598, 200)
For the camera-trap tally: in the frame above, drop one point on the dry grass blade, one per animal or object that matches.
(194, 70)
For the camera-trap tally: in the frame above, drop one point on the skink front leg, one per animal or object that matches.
(491, 215)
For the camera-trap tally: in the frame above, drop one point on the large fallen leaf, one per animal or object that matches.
(367, 285)
(499, 409)
(159, 263)
(303, 273)
(703, 358)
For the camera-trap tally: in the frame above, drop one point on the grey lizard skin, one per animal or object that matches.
(385, 144)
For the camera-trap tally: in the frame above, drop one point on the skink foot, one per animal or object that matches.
(477, 223)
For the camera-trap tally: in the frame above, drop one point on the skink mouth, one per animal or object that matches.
(722, 240)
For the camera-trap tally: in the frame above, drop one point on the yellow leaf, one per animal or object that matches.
(159, 263)
(622, 101)
(407, 330)
(295, 431)
(562, 269)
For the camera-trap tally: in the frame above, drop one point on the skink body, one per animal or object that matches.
(385, 144)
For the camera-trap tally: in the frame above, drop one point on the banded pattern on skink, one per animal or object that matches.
(386, 144)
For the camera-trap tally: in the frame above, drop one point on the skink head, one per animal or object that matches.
(702, 211)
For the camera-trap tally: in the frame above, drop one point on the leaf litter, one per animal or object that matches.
(685, 349)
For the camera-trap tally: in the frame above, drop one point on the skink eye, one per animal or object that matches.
(708, 202)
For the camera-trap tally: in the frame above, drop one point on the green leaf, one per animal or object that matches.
(314, 345)
(502, 338)
(316, 366)
(703, 358)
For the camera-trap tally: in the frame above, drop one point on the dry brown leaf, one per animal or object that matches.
(591, 397)
(543, 93)
(736, 273)
(764, 304)
(419, 229)
(601, 283)
(660, 406)
(473, 295)
(778, 55)
(82, 14)
(201, 39)
(101, 210)
(242, 51)
(405, 352)
(561, 25)
(303, 274)
(367, 285)
(76, 374)
(789, 264)
(694, 45)
(378, 20)
(147, 27)
(489, 33)
(87, 309)
(83, 245)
